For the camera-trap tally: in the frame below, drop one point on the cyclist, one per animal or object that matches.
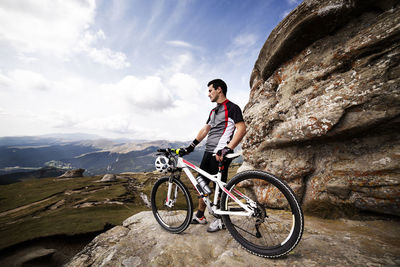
(221, 140)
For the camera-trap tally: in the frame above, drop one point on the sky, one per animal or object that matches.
(134, 69)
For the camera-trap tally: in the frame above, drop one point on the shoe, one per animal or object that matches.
(197, 220)
(216, 226)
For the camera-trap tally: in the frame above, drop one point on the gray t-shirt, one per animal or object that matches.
(222, 120)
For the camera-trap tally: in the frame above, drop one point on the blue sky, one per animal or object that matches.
(134, 69)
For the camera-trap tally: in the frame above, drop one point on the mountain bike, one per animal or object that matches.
(259, 210)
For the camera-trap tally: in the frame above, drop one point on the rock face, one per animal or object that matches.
(324, 107)
(142, 242)
(73, 173)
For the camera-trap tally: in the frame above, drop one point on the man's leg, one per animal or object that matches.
(218, 224)
(210, 165)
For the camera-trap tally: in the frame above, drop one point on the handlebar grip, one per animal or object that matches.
(162, 150)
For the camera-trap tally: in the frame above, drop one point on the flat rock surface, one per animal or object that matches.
(140, 241)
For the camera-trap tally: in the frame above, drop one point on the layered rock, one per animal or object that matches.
(73, 173)
(324, 107)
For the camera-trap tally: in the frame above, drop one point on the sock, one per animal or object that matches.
(199, 214)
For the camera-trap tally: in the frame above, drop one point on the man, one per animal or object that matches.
(221, 140)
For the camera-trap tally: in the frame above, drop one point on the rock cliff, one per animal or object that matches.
(324, 107)
(140, 241)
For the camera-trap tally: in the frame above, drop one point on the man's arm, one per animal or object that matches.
(237, 137)
(203, 132)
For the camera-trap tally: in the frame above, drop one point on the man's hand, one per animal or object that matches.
(187, 150)
(222, 153)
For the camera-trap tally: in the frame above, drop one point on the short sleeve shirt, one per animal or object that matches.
(222, 120)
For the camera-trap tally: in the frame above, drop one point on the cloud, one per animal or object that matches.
(292, 2)
(184, 86)
(47, 26)
(146, 94)
(105, 56)
(55, 28)
(245, 40)
(241, 46)
(26, 80)
(3, 112)
(182, 44)
(178, 43)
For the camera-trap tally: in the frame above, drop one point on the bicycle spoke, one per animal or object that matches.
(271, 225)
(174, 215)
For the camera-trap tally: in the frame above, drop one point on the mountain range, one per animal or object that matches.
(69, 151)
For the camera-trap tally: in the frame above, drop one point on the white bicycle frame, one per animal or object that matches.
(185, 165)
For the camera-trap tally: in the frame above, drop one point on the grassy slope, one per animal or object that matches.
(43, 219)
(52, 205)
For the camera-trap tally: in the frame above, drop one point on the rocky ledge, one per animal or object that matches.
(140, 241)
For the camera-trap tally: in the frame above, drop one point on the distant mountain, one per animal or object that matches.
(66, 151)
(28, 154)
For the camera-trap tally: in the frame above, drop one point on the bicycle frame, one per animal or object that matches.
(186, 165)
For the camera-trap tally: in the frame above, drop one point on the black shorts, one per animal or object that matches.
(210, 164)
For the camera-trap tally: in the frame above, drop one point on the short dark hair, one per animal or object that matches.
(219, 83)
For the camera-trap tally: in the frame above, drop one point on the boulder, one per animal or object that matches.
(140, 241)
(73, 173)
(109, 178)
(324, 106)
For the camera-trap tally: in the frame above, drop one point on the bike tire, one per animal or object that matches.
(177, 218)
(282, 225)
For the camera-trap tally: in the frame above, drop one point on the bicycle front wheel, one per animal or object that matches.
(174, 213)
(277, 224)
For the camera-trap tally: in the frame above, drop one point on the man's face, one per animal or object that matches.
(212, 93)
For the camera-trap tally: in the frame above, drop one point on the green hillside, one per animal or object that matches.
(52, 206)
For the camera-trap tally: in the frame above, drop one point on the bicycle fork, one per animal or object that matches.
(169, 202)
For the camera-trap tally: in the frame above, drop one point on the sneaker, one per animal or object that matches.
(216, 226)
(197, 220)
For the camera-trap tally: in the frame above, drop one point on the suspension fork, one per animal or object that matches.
(172, 192)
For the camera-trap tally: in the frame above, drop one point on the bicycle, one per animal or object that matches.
(267, 221)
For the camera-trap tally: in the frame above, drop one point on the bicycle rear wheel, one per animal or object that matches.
(173, 214)
(276, 226)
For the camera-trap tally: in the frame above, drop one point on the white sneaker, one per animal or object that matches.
(197, 220)
(216, 226)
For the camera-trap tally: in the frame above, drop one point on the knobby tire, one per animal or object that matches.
(279, 212)
(177, 218)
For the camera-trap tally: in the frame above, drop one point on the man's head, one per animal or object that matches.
(217, 90)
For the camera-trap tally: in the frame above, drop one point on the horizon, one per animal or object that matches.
(126, 69)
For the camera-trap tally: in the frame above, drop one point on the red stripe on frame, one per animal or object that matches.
(190, 164)
(229, 193)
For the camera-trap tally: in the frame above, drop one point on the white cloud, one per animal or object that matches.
(292, 2)
(178, 43)
(183, 44)
(28, 80)
(241, 46)
(184, 86)
(148, 93)
(245, 40)
(105, 56)
(3, 112)
(55, 28)
(47, 26)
